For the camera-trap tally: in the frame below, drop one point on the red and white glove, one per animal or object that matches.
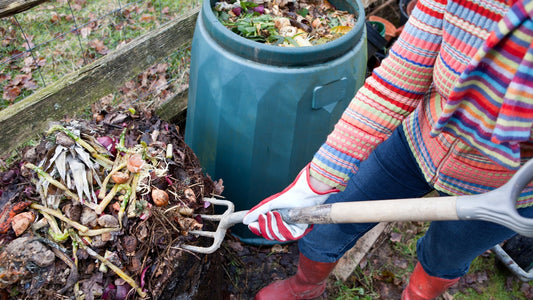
(263, 221)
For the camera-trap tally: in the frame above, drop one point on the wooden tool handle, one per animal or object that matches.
(412, 209)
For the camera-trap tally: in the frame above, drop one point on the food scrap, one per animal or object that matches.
(285, 23)
(100, 209)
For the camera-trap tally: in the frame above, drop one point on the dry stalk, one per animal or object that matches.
(54, 182)
(102, 160)
(110, 265)
(133, 198)
(124, 202)
(96, 232)
(100, 207)
(60, 216)
(101, 194)
(55, 231)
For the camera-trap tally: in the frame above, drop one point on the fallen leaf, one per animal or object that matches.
(447, 296)
(147, 18)
(279, 249)
(85, 31)
(28, 44)
(527, 290)
(236, 246)
(99, 46)
(396, 237)
(400, 262)
(4, 77)
(11, 93)
(386, 292)
(30, 85)
(54, 18)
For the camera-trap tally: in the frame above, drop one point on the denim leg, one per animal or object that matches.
(390, 172)
(449, 247)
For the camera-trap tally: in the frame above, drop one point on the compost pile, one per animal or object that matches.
(100, 209)
(285, 23)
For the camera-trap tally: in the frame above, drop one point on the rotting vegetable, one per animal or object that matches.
(116, 219)
(285, 23)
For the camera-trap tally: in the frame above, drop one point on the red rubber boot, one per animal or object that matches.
(308, 283)
(423, 286)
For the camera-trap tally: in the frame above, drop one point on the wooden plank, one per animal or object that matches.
(174, 108)
(351, 259)
(12, 7)
(76, 91)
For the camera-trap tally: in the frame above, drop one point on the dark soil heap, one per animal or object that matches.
(72, 228)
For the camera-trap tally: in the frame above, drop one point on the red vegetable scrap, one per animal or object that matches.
(8, 212)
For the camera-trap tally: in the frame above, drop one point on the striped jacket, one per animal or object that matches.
(411, 87)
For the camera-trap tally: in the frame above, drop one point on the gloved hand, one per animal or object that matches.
(261, 220)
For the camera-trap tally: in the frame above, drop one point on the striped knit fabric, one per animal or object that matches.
(412, 86)
(491, 107)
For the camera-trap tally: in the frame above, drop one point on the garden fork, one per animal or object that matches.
(497, 206)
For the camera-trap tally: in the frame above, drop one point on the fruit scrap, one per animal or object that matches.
(101, 194)
(159, 197)
(10, 211)
(135, 163)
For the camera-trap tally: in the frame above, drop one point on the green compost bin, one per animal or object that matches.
(257, 113)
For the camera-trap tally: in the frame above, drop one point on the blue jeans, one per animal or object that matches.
(391, 172)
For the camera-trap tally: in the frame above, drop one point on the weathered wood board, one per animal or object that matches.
(76, 91)
(12, 7)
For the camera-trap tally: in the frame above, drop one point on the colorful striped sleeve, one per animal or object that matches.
(387, 97)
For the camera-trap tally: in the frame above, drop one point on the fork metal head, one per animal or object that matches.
(226, 220)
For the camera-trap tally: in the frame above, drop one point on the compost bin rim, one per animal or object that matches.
(285, 56)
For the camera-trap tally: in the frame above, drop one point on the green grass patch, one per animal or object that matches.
(41, 45)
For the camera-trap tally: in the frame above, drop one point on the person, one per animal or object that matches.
(449, 109)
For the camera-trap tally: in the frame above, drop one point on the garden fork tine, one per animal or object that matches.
(226, 220)
(497, 206)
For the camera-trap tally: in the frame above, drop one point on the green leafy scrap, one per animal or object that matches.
(259, 28)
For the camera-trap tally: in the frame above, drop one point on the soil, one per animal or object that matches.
(242, 270)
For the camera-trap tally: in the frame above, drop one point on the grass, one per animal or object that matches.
(49, 41)
(388, 265)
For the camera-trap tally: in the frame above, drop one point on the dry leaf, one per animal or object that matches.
(396, 237)
(11, 93)
(99, 46)
(85, 31)
(147, 18)
(4, 77)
